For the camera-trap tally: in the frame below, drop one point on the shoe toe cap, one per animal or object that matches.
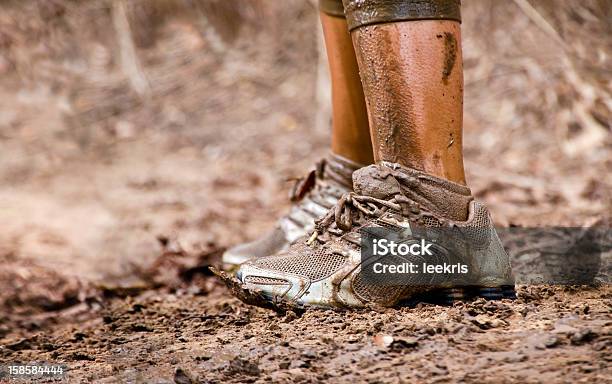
(269, 282)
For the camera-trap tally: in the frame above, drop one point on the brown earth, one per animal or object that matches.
(112, 203)
(548, 335)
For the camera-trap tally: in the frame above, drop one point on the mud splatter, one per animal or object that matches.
(389, 101)
(253, 297)
(450, 55)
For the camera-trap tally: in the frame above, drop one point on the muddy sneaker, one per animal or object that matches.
(325, 269)
(312, 196)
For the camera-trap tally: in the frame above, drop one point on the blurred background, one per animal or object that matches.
(130, 128)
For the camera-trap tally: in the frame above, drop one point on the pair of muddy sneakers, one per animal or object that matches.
(313, 257)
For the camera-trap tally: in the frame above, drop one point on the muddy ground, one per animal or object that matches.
(549, 335)
(112, 205)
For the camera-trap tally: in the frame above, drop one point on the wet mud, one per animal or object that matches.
(412, 113)
(548, 334)
(389, 100)
(450, 55)
(251, 296)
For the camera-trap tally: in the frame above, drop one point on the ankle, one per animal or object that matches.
(353, 150)
(453, 171)
(441, 197)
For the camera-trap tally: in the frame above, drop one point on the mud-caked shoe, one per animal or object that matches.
(312, 197)
(328, 267)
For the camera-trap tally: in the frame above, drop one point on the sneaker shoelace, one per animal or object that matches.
(353, 208)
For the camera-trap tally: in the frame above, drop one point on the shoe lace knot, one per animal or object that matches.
(352, 208)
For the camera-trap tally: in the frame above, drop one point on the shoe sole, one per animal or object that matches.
(441, 296)
(449, 296)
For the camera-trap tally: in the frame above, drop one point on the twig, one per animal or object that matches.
(540, 21)
(130, 64)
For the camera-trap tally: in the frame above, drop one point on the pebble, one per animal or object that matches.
(551, 341)
(582, 336)
(181, 376)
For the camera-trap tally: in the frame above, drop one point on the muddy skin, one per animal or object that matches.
(450, 55)
(413, 115)
(361, 13)
(388, 102)
(350, 128)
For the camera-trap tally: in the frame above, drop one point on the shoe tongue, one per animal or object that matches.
(383, 181)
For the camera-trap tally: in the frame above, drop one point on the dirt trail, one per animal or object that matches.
(111, 206)
(547, 335)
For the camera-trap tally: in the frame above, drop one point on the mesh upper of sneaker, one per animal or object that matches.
(314, 262)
